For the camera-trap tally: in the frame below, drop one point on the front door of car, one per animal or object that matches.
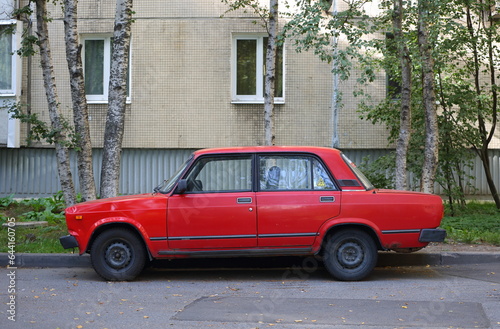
(217, 210)
(296, 196)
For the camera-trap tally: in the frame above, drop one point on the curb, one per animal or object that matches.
(28, 260)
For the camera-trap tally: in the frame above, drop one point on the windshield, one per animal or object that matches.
(368, 185)
(168, 184)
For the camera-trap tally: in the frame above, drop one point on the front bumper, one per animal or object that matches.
(432, 235)
(68, 242)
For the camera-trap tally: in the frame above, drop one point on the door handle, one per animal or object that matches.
(326, 199)
(243, 200)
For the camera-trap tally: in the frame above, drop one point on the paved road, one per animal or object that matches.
(298, 296)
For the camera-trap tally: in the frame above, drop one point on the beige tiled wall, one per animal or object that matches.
(181, 83)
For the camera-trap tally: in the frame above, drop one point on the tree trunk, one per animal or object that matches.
(270, 78)
(80, 111)
(62, 153)
(485, 135)
(431, 151)
(113, 134)
(405, 114)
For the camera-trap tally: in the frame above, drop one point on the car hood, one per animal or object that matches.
(117, 203)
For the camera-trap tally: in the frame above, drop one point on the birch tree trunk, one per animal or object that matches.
(270, 77)
(405, 114)
(113, 133)
(431, 151)
(62, 153)
(78, 96)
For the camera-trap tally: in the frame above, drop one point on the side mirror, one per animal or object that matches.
(181, 186)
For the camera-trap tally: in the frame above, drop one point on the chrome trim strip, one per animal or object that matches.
(287, 235)
(210, 237)
(237, 252)
(158, 238)
(401, 231)
(246, 236)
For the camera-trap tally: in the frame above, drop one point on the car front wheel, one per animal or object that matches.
(118, 255)
(350, 255)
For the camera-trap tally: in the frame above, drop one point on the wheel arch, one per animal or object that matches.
(124, 225)
(347, 226)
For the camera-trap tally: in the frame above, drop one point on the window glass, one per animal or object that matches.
(5, 58)
(221, 174)
(246, 67)
(322, 180)
(368, 185)
(293, 173)
(94, 67)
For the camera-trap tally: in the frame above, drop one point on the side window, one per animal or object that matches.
(5, 60)
(97, 66)
(221, 174)
(293, 173)
(322, 180)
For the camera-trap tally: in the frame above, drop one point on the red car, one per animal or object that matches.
(256, 201)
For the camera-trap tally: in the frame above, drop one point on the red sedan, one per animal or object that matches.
(256, 201)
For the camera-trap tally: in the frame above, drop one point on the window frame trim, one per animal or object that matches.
(258, 98)
(106, 37)
(14, 59)
(223, 156)
(311, 157)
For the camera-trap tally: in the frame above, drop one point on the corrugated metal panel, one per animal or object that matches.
(31, 172)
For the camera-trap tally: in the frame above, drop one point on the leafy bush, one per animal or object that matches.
(7, 201)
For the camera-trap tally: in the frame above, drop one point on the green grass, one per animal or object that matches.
(474, 224)
(40, 239)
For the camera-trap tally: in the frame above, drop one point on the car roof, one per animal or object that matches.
(267, 149)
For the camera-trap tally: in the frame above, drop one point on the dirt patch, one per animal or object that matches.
(434, 247)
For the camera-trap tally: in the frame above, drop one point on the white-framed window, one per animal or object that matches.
(97, 66)
(248, 69)
(7, 70)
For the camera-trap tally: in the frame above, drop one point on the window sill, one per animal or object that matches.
(254, 101)
(90, 102)
(7, 94)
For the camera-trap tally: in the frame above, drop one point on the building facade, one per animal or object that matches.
(195, 81)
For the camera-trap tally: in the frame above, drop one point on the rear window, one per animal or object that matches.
(368, 185)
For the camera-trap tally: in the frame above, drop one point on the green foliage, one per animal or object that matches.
(473, 223)
(6, 201)
(43, 239)
(41, 130)
(378, 171)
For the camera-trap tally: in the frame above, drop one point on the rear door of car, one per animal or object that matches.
(296, 194)
(218, 208)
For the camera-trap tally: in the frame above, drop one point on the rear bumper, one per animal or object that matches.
(68, 242)
(432, 235)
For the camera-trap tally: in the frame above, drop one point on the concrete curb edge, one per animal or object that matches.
(28, 260)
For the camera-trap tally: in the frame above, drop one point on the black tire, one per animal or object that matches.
(118, 255)
(350, 255)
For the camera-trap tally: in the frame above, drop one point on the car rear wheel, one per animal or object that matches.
(118, 255)
(350, 255)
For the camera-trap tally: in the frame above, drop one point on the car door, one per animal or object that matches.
(217, 210)
(296, 196)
